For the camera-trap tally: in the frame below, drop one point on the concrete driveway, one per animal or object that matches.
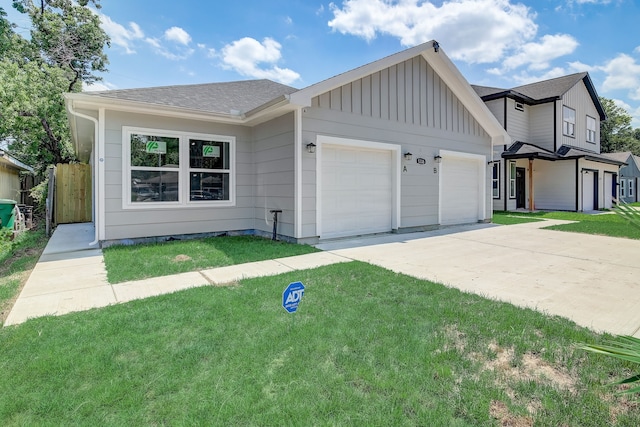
(593, 280)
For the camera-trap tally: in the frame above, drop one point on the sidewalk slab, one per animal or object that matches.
(235, 273)
(138, 289)
(312, 260)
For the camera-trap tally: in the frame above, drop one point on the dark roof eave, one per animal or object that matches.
(518, 97)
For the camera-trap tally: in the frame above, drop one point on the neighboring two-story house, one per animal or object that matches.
(554, 162)
(629, 176)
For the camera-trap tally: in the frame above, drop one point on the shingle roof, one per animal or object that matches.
(553, 88)
(523, 150)
(622, 157)
(241, 96)
(544, 91)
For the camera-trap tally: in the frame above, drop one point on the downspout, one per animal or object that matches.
(96, 163)
(532, 205)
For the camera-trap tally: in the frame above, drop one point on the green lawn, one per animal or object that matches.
(135, 262)
(607, 224)
(367, 347)
(17, 258)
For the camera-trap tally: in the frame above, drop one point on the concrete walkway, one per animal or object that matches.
(593, 280)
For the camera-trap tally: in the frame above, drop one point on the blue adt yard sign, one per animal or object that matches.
(292, 296)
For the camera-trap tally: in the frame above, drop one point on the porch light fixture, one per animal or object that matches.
(408, 156)
(436, 46)
(437, 159)
(311, 148)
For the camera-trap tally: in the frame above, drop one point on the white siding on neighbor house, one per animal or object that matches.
(517, 122)
(541, 125)
(554, 185)
(274, 174)
(601, 168)
(406, 105)
(496, 107)
(579, 99)
(139, 223)
(9, 183)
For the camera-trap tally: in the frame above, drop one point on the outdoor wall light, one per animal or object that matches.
(408, 156)
(437, 159)
(311, 148)
(436, 46)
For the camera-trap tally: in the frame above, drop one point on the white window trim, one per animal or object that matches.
(591, 131)
(512, 180)
(623, 192)
(183, 170)
(630, 188)
(496, 166)
(566, 121)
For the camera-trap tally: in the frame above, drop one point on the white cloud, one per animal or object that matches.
(525, 78)
(121, 36)
(160, 49)
(177, 35)
(288, 20)
(623, 72)
(97, 86)
(475, 31)
(247, 54)
(538, 55)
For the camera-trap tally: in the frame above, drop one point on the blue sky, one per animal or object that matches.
(502, 43)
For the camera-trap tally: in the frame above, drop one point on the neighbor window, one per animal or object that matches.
(496, 180)
(174, 168)
(630, 189)
(512, 180)
(623, 190)
(591, 129)
(568, 121)
(519, 106)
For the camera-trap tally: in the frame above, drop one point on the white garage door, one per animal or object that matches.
(460, 193)
(356, 191)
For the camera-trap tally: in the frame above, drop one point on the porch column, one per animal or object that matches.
(532, 205)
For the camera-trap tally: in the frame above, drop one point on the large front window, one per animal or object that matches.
(568, 121)
(166, 168)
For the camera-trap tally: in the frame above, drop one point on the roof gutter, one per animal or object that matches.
(96, 163)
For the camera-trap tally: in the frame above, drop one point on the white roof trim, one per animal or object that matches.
(7, 158)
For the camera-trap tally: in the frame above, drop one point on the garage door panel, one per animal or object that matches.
(460, 196)
(356, 191)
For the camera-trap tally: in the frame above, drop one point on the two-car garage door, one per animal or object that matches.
(357, 190)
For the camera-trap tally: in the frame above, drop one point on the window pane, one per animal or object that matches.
(152, 186)
(209, 186)
(154, 151)
(208, 154)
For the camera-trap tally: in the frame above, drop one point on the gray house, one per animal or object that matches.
(555, 161)
(400, 144)
(629, 176)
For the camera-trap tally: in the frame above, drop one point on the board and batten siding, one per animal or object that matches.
(408, 105)
(579, 99)
(585, 164)
(140, 223)
(274, 174)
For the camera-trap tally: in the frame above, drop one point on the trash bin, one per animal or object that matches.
(7, 213)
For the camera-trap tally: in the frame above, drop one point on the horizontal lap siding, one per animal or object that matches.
(138, 223)
(555, 185)
(274, 166)
(407, 104)
(9, 183)
(541, 125)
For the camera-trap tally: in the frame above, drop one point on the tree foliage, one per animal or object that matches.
(616, 133)
(64, 50)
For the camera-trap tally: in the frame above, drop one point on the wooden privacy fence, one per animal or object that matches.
(72, 193)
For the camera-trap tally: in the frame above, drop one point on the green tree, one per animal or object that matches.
(616, 133)
(64, 50)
